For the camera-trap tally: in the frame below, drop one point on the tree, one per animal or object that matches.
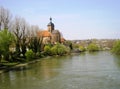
(6, 39)
(20, 28)
(92, 47)
(0, 18)
(5, 18)
(18, 35)
(35, 42)
(24, 36)
(116, 47)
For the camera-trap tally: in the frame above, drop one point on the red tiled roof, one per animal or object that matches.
(44, 33)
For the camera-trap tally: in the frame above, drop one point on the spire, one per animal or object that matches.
(50, 25)
(50, 19)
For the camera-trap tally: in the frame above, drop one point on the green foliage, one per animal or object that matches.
(47, 50)
(92, 47)
(59, 49)
(6, 39)
(116, 47)
(29, 55)
(35, 44)
(54, 50)
(81, 48)
(69, 44)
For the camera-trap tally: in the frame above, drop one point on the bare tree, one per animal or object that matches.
(35, 42)
(20, 28)
(16, 30)
(24, 42)
(1, 15)
(5, 18)
(0, 18)
(33, 30)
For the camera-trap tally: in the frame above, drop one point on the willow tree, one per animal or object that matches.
(6, 39)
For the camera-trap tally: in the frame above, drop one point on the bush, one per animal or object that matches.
(47, 50)
(59, 49)
(54, 50)
(29, 55)
(81, 48)
(116, 47)
(92, 47)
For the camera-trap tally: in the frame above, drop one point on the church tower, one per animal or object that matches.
(50, 26)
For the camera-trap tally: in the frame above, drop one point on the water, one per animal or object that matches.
(99, 70)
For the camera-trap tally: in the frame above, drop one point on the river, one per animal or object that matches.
(99, 70)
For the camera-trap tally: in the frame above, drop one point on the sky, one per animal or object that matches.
(75, 19)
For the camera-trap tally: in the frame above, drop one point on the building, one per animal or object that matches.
(51, 35)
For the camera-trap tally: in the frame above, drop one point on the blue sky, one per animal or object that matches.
(76, 19)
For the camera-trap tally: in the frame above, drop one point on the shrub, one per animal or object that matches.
(81, 48)
(92, 47)
(47, 50)
(59, 49)
(29, 55)
(116, 47)
(54, 50)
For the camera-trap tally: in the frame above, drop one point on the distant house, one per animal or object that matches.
(51, 35)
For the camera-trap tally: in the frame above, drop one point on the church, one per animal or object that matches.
(51, 35)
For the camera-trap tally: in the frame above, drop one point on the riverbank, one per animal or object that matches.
(5, 67)
(19, 66)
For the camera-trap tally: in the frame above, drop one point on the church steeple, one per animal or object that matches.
(50, 25)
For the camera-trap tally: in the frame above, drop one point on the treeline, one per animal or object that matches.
(93, 46)
(19, 41)
(116, 48)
